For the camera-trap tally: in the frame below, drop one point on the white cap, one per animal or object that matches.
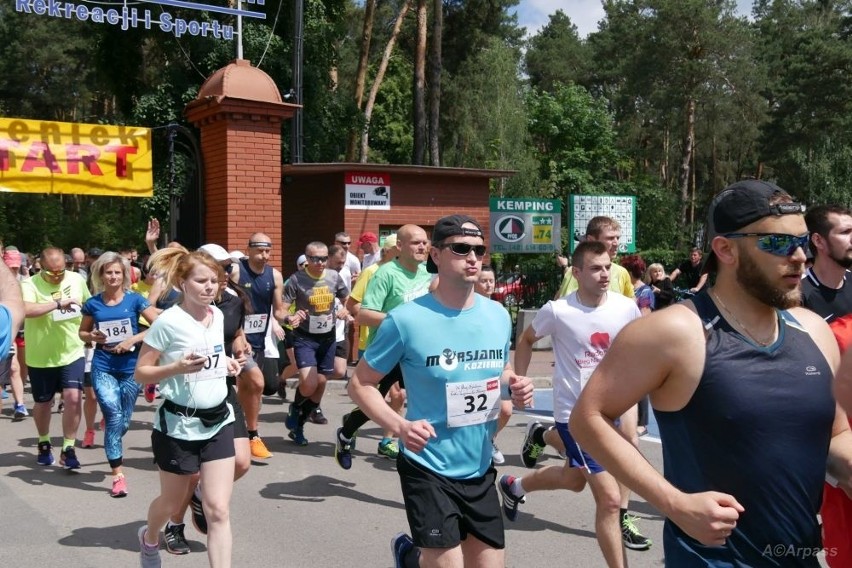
(237, 255)
(301, 260)
(218, 253)
(390, 241)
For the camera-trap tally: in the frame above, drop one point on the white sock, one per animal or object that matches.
(518, 487)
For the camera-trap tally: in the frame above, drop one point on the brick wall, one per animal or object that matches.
(314, 206)
(241, 144)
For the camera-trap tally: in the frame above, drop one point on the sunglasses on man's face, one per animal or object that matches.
(317, 259)
(463, 249)
(779, 244)
(344, 243)
(54, 273)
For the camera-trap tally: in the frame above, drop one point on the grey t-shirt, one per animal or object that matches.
(316, 296)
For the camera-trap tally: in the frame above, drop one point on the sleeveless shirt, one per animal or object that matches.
(757, 427)
(260, 288)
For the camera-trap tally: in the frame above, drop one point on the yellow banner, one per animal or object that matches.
(39, 156)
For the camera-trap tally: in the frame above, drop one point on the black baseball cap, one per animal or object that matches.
(450, 226)
(741, 204)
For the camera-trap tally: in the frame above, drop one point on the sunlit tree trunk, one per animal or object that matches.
(361, 73)
(377, 82)
(420, 86)
(435, 68)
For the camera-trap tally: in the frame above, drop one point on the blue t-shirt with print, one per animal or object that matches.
(452, 361)
(5, 331)
(119, 321)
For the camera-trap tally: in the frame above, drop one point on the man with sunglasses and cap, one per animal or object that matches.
(52, 302)
(454, 378)
(264, 286)
(313, 291)
(740, 378)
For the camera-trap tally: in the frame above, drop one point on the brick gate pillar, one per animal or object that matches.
(239, 112)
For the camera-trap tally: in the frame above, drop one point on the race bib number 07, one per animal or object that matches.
(216, 365)
(473, 402)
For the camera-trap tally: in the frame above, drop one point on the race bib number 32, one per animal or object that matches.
(473, 402)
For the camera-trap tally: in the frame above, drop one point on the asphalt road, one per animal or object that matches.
(296, 509)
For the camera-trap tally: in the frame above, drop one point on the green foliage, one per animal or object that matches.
(557, 41)
(485, 104)
(667, 257)
(574, 141)
(604, 114)
(826, 173)
(391, 135)
(471, 25)
(806, 49)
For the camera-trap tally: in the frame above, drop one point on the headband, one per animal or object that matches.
(256, 244)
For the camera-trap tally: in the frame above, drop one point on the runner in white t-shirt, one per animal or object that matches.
(582, 326)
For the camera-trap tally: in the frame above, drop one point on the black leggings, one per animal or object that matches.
(357, 418)
(643, 411)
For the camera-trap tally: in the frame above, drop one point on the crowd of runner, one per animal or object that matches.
(739, 376)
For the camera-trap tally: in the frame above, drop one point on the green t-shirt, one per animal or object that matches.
(393, 285)
(52, 339)
(357, 294)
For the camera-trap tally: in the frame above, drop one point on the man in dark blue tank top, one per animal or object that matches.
(264, 286)
(740, 379)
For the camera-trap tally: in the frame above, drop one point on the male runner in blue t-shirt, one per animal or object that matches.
(453, 374)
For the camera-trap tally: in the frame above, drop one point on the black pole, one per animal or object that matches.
(173, 208)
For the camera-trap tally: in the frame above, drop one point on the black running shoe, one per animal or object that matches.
(630, 535)
(175, 541)
(199, 519)
(510, 502)
(342, 451)
(531, 451)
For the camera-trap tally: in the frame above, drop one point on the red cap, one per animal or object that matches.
(368, 237)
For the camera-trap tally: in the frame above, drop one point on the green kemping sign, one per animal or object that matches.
(622, 208)
(525, 225)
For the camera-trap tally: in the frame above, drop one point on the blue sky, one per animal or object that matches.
(585, 14)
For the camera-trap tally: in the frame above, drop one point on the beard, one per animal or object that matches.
(757, 285)
(844, 260)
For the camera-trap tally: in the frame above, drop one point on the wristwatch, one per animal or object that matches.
(58, 305)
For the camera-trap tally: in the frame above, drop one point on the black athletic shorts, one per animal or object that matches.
(184, 457)
(240, 429)
(45, 382)
(342, 349)
(6, 370)
(442, 512)
(315, 351)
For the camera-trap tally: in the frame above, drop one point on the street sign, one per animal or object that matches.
(525, 225)
(622, 208)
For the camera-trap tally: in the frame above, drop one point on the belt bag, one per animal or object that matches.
(209, 416)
